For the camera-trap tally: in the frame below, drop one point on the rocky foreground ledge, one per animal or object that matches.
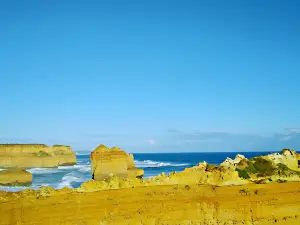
(253, 204)
(256, 191)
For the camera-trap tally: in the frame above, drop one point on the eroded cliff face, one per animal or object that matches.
(35, 155)
(204, 194)
(106, 161)
(253, 204)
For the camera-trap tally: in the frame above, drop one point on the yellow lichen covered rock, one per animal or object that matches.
(203, 173)
(106, 161)
(35, 155)
(289, 157)
(233, 162)
(15, 177)
(238, 171)
(211, 174)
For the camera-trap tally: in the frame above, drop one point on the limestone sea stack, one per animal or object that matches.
(107, 161)
(35, 155)
(15, 177)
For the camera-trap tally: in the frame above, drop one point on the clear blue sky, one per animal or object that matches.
(134, 73)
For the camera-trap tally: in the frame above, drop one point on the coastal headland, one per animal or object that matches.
(263, 190)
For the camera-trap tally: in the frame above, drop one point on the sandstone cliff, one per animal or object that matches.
(15, 177)
(178, 198)
(106, 161)
(251, 204)
(35, 155)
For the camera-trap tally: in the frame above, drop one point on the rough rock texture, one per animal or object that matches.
(200, 174)
(106, 161)
(252, 204)
(238, 171)
(183, 198)
(232, 162)
(15, 177)
(35, 155)
(289, 157)
(263, 169)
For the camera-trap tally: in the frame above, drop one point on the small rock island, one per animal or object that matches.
(15, 177)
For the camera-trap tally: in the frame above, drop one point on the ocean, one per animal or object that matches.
(152, 163)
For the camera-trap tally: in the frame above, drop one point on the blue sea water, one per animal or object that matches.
(152, 163)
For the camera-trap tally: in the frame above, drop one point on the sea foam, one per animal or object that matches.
(150, 163)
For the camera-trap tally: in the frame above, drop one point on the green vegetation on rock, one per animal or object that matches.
(42, 153)
(243, 173)
(264, 167)
(258, 165)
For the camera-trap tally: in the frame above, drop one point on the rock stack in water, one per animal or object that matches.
(35, 155)
(113, 161)
(15, 177)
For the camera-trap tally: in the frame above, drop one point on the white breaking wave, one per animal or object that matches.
(80, 153)
(20, 188)
(66, 167)
(67, 181)
(12, 189)
(150, 163)
(43, 170)
(80, 162)
(83, 168)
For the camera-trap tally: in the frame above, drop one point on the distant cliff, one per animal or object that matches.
(35, 155)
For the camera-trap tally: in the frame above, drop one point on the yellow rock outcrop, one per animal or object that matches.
(106, 161)
(35, 155)
(15, 177)
(238, 171)
(289, 157)
(200, 174)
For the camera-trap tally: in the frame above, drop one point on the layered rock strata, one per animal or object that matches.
(35, 155)
(254, 204)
